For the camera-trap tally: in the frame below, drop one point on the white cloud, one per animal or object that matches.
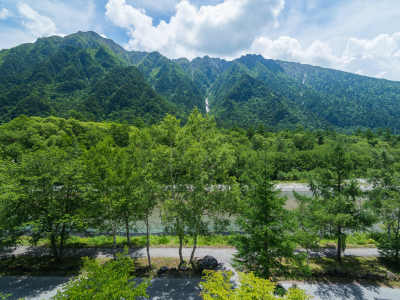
(38, 25)
(103, 35)
(378, 57)
(224, 30)
(5, 13)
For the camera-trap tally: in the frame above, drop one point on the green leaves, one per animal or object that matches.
(111, 281)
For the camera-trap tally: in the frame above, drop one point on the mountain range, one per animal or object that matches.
(89, 77)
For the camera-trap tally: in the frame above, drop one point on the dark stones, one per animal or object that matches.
(183, 269)
(207, 263)
(173, 269)
(163, 270)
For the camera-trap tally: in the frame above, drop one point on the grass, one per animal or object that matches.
(72, 266)
(355, 240)
(103, 241)
(361, 265)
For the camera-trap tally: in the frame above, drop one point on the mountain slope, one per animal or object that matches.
(170, 81)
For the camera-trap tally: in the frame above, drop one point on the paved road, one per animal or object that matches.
(225, 254)
(45, 287)
(38, 288)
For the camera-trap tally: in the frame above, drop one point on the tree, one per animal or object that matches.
(260, 129)
(49, 196)
(250, 132)
(11, 224)
(197, 164)
(111, 281)
(148, 190)
(218, 285)
(384, 199)
(109, 177)
(336, 203)
(263, 218)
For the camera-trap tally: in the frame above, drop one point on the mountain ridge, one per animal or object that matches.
(63, 74)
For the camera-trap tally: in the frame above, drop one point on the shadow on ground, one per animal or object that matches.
(30, 287)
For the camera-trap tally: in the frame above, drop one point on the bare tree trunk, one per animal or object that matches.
(54, 247)
(128, 238)
(115, 244)
(148, 239)
(339, 247)
(62, 242)
(194, 247)
(180, 250)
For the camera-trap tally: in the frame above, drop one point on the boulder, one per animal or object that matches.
(322, 273)
(380, 276)
(163, 269)
(207, 263)
(391, 276)
(360, 276)
(173, 269)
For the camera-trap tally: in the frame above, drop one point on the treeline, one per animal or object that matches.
(63, 176)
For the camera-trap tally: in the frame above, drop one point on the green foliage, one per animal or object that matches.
(385, 201)
(335, 202)
(196, 164)
(47, 197)
(112, 281)
(267, 243)
(217, 285)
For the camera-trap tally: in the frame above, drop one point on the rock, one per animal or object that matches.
(173, 269)
(371, 276)
(391, 276)
(183, 269)
(360, 276)
(138, 270)
(163, 269)
(315, 274)
(341, 273)
(349, 274)
(322, 273)
(207, 263)
(380, 276)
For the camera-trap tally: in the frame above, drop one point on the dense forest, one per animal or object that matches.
(94, 138)
(91, 78)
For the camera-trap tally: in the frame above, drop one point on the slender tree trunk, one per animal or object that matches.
(128, 238)
(148, 239)
(54, 247)
(339, 247)
(62, 242)
(115, 244)
(194, 246)
(180, 250)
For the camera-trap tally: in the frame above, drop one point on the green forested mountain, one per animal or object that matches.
(90, 77)
(170, 81)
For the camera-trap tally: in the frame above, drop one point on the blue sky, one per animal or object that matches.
(358, 36)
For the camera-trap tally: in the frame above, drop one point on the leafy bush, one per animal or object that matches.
(113, 281)
(218, 286)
